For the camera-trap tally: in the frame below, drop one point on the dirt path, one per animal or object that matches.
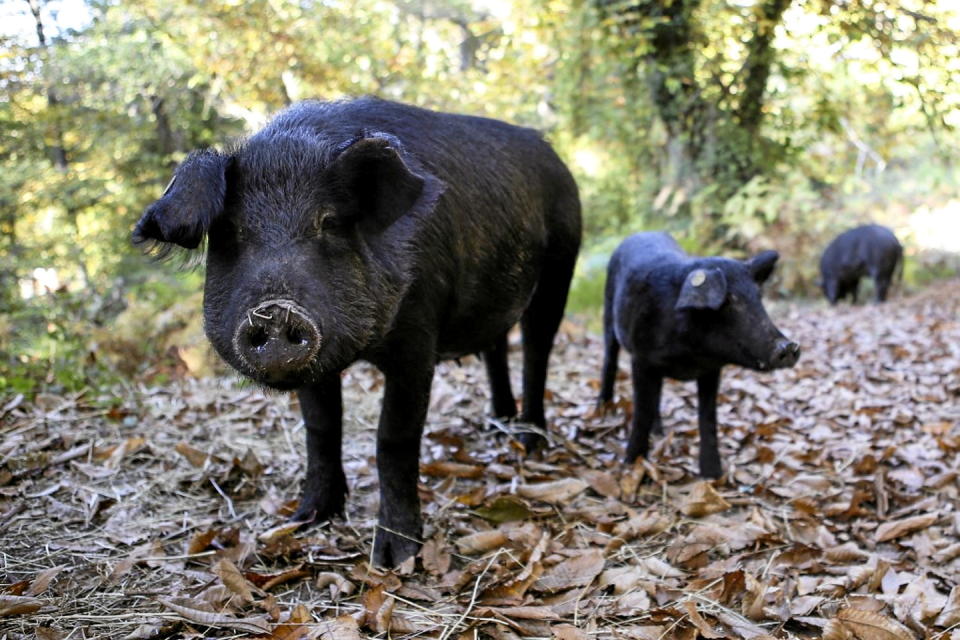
(838, 516)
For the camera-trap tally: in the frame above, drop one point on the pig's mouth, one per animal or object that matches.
(277, 341)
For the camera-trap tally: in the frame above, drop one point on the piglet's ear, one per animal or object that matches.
(761, 265)
(373, 182)
(192, 200)
(703, 289)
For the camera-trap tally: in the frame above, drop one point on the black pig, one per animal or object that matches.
(370, 230)
(866, 250)
(685, 317)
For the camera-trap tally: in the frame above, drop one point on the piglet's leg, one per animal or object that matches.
(325, 487)
(647, 385)
(707, 386)
(405, 401)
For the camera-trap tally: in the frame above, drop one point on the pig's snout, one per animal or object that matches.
(277, 338)
(785, 354)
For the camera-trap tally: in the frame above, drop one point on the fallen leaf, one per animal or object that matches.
(867, 625)
(187, 609)
(42, 581)
(703, 500)
(233, 579)
(505, 509)
(340, 628)
(446, 468)
(294, 628)
(19, 605)
(568, 632)
(576, 571)
(554, 492)
(899, 528)
(195, 457)
(481, 541)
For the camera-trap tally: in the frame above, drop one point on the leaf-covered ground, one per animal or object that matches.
(164, 516)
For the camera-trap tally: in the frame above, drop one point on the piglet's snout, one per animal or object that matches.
(785, 354)
(277, 338)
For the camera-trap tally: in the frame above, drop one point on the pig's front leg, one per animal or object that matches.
(707, 386)
(325, 487)
(405, 401)
(647, 385)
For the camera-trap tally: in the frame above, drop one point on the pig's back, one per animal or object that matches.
(856, 250)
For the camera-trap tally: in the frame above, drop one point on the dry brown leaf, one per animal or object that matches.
(568, 632)
(233, 579)
(555, 492)
(294, 628)
(188, 609)
(482, 541)
(19, 605)
(702, 625)
(280, 531)
(869, 625)
(269, 581)
(950, 615)
(703, 500)
(602, 482)
(447, 468)
(335, 583)
(340, 628)
(49, 633)
(899, 528)
(525, 613)
(200, 541)
(113, 456)
(436, 559)
(42, 581)
(195, 457)
(573, 572)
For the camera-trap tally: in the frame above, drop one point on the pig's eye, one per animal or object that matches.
(326, 220)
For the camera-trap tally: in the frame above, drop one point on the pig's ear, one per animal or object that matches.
(373, 182)
(192, 200)
(703, 289)
(761, 265)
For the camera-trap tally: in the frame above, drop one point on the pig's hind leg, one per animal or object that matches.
(498, 372)
(539, 324)
(611, 351)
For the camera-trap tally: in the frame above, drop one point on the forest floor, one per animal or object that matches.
(159, 511)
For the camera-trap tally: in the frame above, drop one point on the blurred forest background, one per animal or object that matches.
(736, 124)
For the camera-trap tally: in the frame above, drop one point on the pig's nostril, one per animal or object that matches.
(296, 336)
(258, 337)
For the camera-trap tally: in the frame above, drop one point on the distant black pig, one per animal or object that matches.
(685, 317)
(370, 230)
(866, 250)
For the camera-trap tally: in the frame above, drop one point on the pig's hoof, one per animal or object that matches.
(531, 441)
(390, 549)
(315, 508)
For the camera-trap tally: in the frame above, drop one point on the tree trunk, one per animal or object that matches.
(709, 143)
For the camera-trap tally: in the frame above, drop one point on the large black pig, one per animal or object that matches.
(867, 250)
(685, 317)
(370, 230)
